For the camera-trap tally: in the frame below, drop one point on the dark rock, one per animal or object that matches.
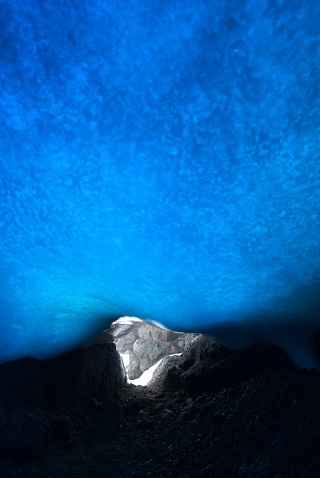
(93, 405)
(2, 415)
(202, 348)
(132, 408)
(266, 427)
(25, 436)
(106, 422)
(168, 376)
(208, 367)
(61, 427)
(114, 376)
(104, 337)
(228, 372)
(92, 372)
(95, 372)
(22, 385)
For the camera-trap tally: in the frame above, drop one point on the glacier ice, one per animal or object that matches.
(160, 160)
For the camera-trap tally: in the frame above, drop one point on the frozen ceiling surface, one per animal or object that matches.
(159, 159)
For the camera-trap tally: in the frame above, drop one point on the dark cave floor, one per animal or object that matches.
(268, 426)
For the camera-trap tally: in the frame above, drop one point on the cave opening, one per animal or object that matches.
(144, 347)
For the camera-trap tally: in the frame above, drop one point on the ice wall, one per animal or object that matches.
(159, 159)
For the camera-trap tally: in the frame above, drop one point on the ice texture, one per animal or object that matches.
(159, 159)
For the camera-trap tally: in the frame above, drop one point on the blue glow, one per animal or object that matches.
(159, 159)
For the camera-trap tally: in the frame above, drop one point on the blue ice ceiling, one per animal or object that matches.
(159, 159)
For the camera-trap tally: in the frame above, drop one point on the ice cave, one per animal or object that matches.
(159, 159)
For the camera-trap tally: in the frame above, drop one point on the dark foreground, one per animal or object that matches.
(266, 426)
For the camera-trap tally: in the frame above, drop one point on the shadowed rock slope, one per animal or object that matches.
(265, 423)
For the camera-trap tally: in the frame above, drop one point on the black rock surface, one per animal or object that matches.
(264, 423)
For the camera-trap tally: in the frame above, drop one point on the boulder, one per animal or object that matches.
(149, 332)
(133, 368)
(93, 372)
(214, 375)
(126, 342)
(208, 367)
(145, 344)
(200, 348)
(168, 376)
(149, 352)
(182, 343)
